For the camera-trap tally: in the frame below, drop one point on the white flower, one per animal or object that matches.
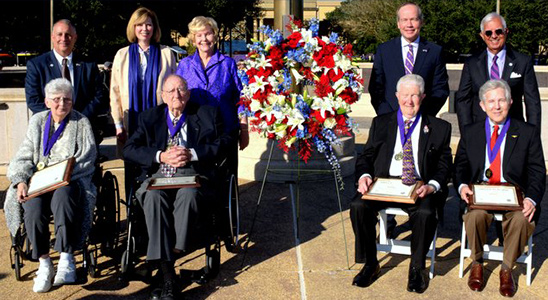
(295, 119)
(259, 84)
(330, 123)
(323, 104)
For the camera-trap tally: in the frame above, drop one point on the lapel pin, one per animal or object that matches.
(510, 64)
(77, 64)
(51, 65)
(514, 136)
(424, 50)
(425, 129)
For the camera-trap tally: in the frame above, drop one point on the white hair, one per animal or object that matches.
(413, 79)
(494, 84)
(490, 17)
(58, 86)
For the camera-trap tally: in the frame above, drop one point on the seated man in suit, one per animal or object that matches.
(176, 138)
(413, 146)
(496, 150)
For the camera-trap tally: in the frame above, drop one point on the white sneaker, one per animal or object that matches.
(42, 281)
(66, 272)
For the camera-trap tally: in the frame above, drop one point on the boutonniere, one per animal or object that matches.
(425, 129)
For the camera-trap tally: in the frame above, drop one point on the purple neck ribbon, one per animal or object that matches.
(401, 125)
(174, 129)
(492, 153)
(49, 142)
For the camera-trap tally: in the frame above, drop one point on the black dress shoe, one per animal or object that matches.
(367, 275)
(169, 291)
(418, 280)
(156, 294)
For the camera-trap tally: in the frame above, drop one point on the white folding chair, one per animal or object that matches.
(399, 246)
(495, 252)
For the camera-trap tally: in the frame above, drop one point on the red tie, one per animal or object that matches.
(495, 165)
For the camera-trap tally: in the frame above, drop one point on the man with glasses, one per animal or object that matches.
(175, 139)
(408, 54)
(498, 61)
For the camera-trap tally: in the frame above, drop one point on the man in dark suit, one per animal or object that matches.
(176, 138)
(513, 67)
(408, 54)
(89, 98)
(496, 150)
(413, 146)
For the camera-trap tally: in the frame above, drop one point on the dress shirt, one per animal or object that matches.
(182, 140)
(501, 58)
(405, 49)
(59, 59)
(143, 61)
(396, 166)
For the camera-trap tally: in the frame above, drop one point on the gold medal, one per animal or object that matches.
(399, 156)
(40, 165)
(488, 173)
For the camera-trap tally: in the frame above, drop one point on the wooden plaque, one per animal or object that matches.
(392, 190)
(503, 196)
(50, 178)
(173, 182)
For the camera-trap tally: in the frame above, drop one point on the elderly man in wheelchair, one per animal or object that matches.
(177, 140)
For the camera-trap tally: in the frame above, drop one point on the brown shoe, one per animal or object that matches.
(475, 281)
(507, 286)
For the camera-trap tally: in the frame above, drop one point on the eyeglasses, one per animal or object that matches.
(180, 90)
(59, 99)
(499, 31)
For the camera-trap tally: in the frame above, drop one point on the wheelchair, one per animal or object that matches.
(225, 228)
(106, 217)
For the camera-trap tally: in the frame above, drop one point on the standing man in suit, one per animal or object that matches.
(176, 138)
(408, 54)
(61, 62)
(498, 61)
(414, 146)
(496, 150)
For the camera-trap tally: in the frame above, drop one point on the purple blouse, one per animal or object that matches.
(217, 85)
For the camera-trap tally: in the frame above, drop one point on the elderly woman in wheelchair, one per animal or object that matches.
(176, 140)
(54, 136)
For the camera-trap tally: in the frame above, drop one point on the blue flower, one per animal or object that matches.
(333, 37)
(314, 26)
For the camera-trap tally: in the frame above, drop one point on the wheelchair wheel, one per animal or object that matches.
(127, 262)
(17, 265)
(232, 241)
(108, 214)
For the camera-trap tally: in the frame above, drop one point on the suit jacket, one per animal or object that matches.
(119, 80)
(88, 95)
(204, 133)
(518, 72)
(434, 153)
(522, 163)
(388, 68)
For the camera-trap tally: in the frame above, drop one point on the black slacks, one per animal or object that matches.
(64, 204)
(422, 217)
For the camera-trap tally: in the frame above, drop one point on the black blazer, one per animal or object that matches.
(434, 151)
(88, 94)
(523, 159)
(204, 133)
(518, 72)
(388, 68)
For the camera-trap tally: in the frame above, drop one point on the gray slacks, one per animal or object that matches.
(64, 204)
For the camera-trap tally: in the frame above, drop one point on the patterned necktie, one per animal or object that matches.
(495, 165)
(168, 170)
(495, 69)
(66, 72)
(408, 172)
(409, 61)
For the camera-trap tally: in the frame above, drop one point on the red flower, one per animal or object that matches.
(348, 50)
(305, 150)
(307, 73)
(276, 55)
(349, 96)
(264, 72)
(323, 86)
(324, 57)
(293, 39)
(334, 76)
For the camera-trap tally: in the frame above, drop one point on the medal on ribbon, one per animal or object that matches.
(41, 165)
(492, 153)
(48, 141)
(488, 173)
(398, 156)
(174, 129)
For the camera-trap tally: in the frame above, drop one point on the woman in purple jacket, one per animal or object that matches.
(213, 80)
